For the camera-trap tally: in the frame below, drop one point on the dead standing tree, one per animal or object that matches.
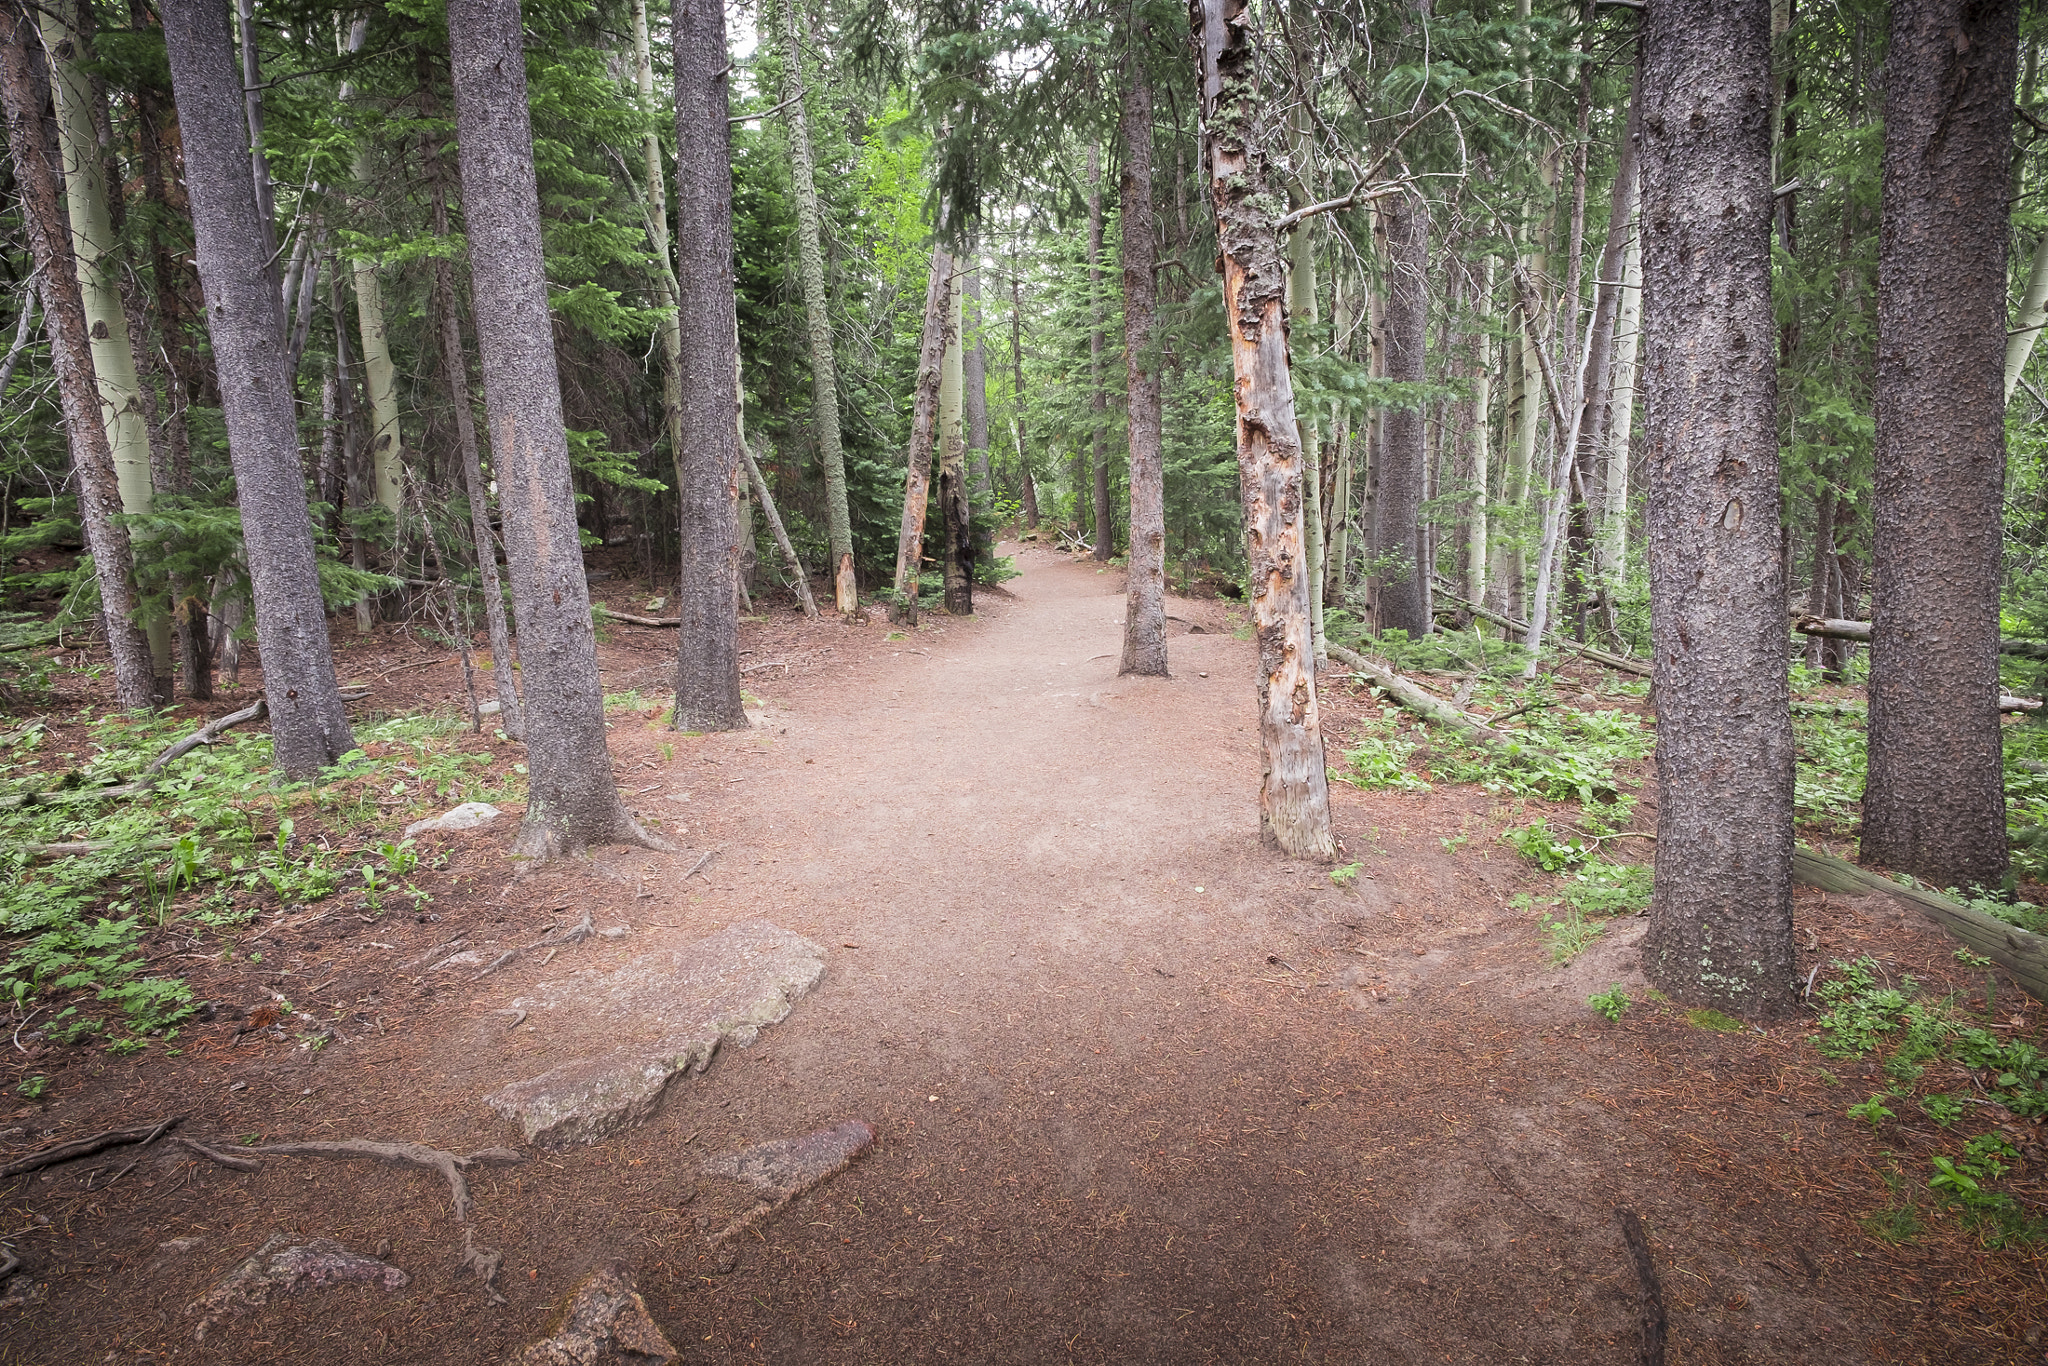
(1294, 793)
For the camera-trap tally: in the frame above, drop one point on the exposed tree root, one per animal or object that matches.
(485, 1262)
(448, 1164)
(575, 934)
(86, 1147)
(193, 1145)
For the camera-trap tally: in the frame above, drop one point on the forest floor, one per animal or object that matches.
(1144, 1091)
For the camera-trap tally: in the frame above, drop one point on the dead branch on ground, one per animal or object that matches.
(87, 1146)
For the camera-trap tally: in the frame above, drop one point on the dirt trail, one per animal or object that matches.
(1145, 1093)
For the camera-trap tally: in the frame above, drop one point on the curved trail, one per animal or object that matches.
(1144, 1092)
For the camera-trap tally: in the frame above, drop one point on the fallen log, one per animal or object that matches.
(86, 1147)
(2005, 703)
(2018, 951)
(178, 749)
(1506, 623)
(1835, 628)
(632, 619)
(1426, 705)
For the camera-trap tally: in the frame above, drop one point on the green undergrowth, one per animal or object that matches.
(215, 843)
(1955, 1071)
(1590, 891)
(1558, 752)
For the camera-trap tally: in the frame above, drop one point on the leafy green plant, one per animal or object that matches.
(1346, 875)
(1611, 1004)
(1944, 1110)
(1380, 762)
(1873, 1111)
(1536, 842)
(32, 1088)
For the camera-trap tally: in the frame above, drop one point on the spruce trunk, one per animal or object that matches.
(1934, 805)
(817, 320)
(572, 801)
(1026, 483)
(1145, 583)
(1403, 470)
(245, 320)
(708, 660)
(1098, 397)
(1294, 794)
(1721, 916)
(953, 502)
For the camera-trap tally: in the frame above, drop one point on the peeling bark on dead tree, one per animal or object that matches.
(1294, 794)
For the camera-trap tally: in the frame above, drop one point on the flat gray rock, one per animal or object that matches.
(605, 1323)
(290, 1266)
(756, 1182)
(468, 816)
(666, 1013)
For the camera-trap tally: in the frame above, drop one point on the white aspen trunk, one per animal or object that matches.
(380, 378)
(1477, 546)
(1628, 342)
(2026, 329)
(1301, 308)
(92, 244)
(953, 450)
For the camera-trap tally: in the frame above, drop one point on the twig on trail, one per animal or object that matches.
(1277, 961)
(518, 1017)
(1504, 1185)
(415, 664)
(438, 949)
(699, 864)
(11, 1264)
(500, 961)
(448, 1164)
(193, 1145)
(86, 1147)
(24, 1025)
(575, 934)
(1655, 1326)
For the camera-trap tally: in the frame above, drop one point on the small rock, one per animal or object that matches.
(490, 708)
(614, 932)
(179, 1245)
(468, 958)
(22, 1288)
(605, 1323)
(468, 816)
(775, 1173)
(281, 1264)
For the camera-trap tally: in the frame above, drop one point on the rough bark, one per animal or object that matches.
(572, 801)
(1145, 586)
(1403, 466)
(245, 319)
(974, 371)
(924, 431)
(818, 322)
(94, 249)
(708, 661)
(1026, 484)
(1721, 916)
(953, 503)
(1098, 397)
(99, 502)
(1935, 802)
(1294, 795)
